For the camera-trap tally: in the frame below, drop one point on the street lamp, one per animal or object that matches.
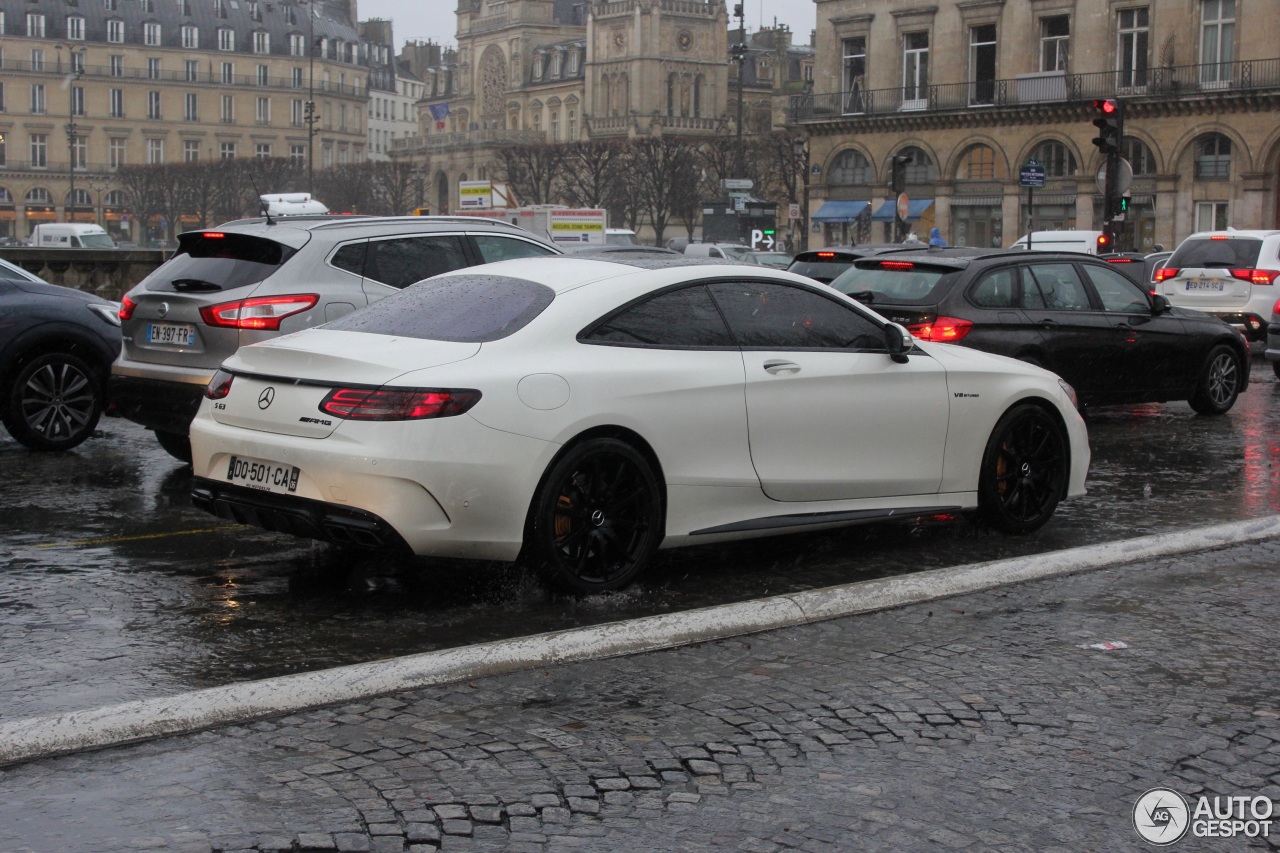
(739, 52)
(311, 116)
(76, 58)
(800, 145)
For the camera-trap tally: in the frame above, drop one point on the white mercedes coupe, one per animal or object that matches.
(581, 413)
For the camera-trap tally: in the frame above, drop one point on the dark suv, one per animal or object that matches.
(825, 264)
(1071, 313)
(253, 279)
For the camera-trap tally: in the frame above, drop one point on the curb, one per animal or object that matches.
(147, 719)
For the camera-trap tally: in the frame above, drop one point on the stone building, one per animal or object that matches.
(974, 90)
(89, 86)
(394, 91)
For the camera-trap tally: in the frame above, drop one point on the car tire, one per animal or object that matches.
(54, 403)
(1024, 470)
(597, 517)
(175, 444)
(1275, 367)
(1219, 382)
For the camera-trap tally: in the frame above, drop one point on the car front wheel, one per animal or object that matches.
(55, 402)
(1219, 383)
(597, 519)
(1023, 471)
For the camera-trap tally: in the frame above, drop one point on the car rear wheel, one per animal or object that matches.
(175, 444)
(1275, 367)
(597, 519)
(1023, 470)
(54, 403)
(1219, 383)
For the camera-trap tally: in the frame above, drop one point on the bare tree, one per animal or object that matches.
(532, 170)
(345, 188)
(144, 196)
(591, 176)
(397, 186)
(664, 174)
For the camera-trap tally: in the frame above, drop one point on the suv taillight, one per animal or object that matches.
(259, 312)
(397, 404)
(1165, 273)
(943, 330)
(127, 307)
(1256, 276)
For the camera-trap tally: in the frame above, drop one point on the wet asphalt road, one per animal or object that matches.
(112, 587)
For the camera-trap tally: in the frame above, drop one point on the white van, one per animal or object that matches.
(1059, 241)
(71, 235)
(291, 204)
(729, 251)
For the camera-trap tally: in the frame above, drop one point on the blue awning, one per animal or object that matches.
(888, 211)
(840, 211)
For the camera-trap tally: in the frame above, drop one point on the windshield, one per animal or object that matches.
(735, 253)
(1233, 252)
(213, 260)
(896, 282)
(97, 241)
(627, 239)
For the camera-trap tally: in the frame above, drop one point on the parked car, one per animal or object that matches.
(726, 251)
(588, 412)
(253, 279)
(1075, 315)
(1272, 351)
(56, 349)
(1059, 241)
(775, 260)
(1139, 266)
(825, 264)
(621, 237)
(1229, 274)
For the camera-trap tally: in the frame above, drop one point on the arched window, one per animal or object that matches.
(442, 192)
(921, 169)
(1213, 157)
(1138, 155)
(1056, 158)
(850, 168)
(38, 195)
(671, 94)
(115, 198)
(979, 163)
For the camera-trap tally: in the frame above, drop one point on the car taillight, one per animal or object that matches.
(897, 265)
(127, 307)
(1165, 273)
(259, 312)
(1256, 276)
(826, 255)
(219, 386)
(397, 404)
(942, 330)
(1120, 260)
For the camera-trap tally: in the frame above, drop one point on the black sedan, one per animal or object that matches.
(1071, 313)
(56, 349)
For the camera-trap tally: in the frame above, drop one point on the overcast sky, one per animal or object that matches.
(435, 19)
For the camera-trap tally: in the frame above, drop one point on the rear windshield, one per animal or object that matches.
(1233, 252)
(894, 282)
(463, 308)
(225, 262)
(823, 271)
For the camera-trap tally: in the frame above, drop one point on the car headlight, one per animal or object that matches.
(1069, 391)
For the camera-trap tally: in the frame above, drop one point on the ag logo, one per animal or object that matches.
(264, 399)
(1161, 816)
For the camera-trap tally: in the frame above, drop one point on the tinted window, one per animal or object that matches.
(1116, 291)
(219, 263)
(895, 282)
(996, 289)
(466, 308)
(819, 270)
(351, 257)
(401, 261)
(1239, 252)
(497, 248)
(678, 318)
(1060, 289)
(779, 316)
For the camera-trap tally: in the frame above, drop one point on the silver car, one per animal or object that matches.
(251, 280)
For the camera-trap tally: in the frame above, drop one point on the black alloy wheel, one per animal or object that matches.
(175, 444)
(597, 518)
(1023, 471)
(1219, 383)
(55, 402)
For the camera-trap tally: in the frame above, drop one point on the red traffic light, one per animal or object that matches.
(1106, 106)
(1104, 243)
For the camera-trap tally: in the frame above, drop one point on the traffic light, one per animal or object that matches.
(1104, 242)
(898, 173)
(1110, 124)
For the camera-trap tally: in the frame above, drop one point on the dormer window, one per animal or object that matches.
(573, 61)
(538, 61)
(555, 63)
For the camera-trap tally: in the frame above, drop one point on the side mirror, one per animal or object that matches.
(899, 342)
(1160, 305)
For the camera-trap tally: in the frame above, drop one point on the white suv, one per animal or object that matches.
(1229, 274)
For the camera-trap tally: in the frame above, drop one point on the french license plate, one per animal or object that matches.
(1211, 286)
(265, 476)
(183, 334)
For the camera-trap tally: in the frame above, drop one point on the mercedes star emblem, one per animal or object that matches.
(265, 398)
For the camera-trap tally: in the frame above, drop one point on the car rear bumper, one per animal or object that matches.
(155, 403)
(1252, 325)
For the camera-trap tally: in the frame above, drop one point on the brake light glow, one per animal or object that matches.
(127, 307)
(897, 265)
(260, 312)
(219, 385)
(213, 235)
(397, 404)
(1165, 273)
(1120, 260)
(942, 330)
(826, 254)
(1256, 276)
(1219, 237)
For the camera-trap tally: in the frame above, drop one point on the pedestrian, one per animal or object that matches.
(935, 239)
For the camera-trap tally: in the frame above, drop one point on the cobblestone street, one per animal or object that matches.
(983, 722)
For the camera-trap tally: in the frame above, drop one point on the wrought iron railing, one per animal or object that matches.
(1048, 88)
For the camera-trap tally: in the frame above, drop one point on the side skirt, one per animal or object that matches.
(805, 519)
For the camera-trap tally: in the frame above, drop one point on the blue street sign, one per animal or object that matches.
(1031, 175)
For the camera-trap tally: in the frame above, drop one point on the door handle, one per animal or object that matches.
(1048, 322)
(777, 365)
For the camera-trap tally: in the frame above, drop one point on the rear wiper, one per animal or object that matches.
(864, 296)
(194, 284)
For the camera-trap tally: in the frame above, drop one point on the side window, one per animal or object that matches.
(677, 318)
(995, 289)
(1117, 292)
(351, 257)
(780, 316)
(401, 261)
(496, 248)
(1060, 287)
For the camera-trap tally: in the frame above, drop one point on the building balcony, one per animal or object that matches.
(467, 139)
(1179, 82)
(54, 70)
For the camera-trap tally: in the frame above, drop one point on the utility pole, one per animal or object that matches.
(311, 99)
(740, 55)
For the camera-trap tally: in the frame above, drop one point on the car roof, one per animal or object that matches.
(1253, 234)
(296, 230)
(960, 257)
